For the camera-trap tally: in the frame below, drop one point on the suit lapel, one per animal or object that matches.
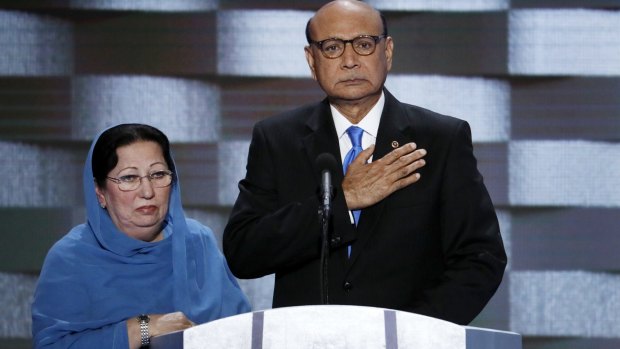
(322, 138)
(394, 128)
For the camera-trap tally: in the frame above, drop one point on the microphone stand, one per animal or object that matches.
(324, 214)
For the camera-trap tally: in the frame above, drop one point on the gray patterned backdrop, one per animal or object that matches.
(539, 81)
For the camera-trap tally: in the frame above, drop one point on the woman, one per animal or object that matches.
(137, 268)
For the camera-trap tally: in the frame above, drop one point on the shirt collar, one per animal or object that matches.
(370, 122)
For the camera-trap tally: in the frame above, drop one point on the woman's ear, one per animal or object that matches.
(100, 197)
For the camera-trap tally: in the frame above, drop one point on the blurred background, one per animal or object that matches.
(539, 82)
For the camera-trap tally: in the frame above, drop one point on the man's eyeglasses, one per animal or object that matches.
(159, 179)
(363, 45)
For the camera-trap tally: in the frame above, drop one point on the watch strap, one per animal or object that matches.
(145, 338)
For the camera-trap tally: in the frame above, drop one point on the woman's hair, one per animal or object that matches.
(104, 157)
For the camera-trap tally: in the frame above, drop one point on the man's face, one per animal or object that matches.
(350, 77)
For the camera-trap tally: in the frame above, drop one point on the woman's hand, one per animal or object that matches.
(159, 324)
(165, 323)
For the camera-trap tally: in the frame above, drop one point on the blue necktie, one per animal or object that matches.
(355, 134)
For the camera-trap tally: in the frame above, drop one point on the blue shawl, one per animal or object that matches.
(96, 278)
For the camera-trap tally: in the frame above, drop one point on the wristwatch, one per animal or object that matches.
(145, 338)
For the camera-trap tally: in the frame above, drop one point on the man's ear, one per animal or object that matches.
(389, 50)
(310, 60)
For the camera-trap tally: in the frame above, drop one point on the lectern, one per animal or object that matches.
(335, 327)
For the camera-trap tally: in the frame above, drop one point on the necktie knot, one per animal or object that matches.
(355, 135)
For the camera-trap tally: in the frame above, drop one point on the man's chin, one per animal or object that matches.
(357, 96)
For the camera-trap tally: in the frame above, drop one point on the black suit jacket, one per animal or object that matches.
(432, 248)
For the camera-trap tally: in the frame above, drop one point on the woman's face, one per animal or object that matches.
(138, 213)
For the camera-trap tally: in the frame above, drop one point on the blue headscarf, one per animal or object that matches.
(96, 278)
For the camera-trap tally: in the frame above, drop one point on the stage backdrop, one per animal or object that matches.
(539, 81)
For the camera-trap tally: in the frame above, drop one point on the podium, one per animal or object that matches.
(335, 327)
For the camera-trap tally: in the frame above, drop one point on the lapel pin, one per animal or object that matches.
(394, 144)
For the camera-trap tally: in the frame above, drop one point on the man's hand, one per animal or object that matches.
(366, 184)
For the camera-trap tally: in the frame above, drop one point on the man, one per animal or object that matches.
(426, 239)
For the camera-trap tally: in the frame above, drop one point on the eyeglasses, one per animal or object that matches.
(363, 45)
(159, 179)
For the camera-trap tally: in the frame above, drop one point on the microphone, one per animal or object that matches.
(326, 163)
